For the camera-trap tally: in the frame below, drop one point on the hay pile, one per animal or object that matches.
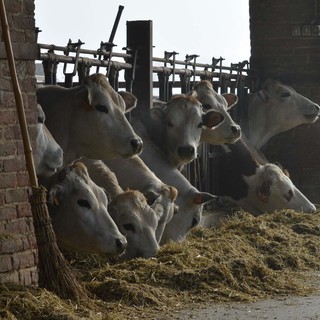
(244, 259)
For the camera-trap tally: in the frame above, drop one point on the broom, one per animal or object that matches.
(55, 274)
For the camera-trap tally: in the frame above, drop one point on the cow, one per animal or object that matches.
(79, 213)
(175, 127)
(228, 131)
(189, 201)
(135, 218)
(133, 173)
(257, 188)
(276, 108)
(47, 155)
(88, 120)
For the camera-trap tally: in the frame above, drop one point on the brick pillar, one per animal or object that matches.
(279, 52)
(18, 252)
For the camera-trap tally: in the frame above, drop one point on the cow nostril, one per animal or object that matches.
(186, 151)
(194, 222)
(317, 107)
(136, 144)
(235, 129)
(121, 245)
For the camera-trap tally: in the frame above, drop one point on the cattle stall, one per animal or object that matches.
(137, 71)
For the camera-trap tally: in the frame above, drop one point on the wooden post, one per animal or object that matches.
(139, 37)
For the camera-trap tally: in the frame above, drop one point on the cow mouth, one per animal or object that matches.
(312, 116)
(51, 169)
(128, 155)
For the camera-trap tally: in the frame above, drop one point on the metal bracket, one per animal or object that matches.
(71, 46)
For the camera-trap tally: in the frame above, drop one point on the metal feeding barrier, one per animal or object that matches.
(137, 71)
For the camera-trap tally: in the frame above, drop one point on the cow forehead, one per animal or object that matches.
(101, 92)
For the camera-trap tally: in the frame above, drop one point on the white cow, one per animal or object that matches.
(228, 131)
(134, 174)
(257, 188)
(276, 108)
(175, 127)
(48, 156)
(79, 214)
(138, 222)
(129, 209)
(189, 201)
(89, 121)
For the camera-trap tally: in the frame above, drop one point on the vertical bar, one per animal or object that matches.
(139, 36)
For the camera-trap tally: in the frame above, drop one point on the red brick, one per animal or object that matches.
(28, 276)
(14, 165)
(23, 210)
(8, 117)
(11, 244)
(14, 196)
(12, 276)
(22, 179)
(7, 148)
(5, 263)
(23, 259)
(8, 180)
(8, 213)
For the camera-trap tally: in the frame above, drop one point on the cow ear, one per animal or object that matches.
(203, 197)
(173, 193)
(212, 118)
(193, 93)
(158, 103)
(56, 195)
(263, 191)
(231, 99)
(129, 99)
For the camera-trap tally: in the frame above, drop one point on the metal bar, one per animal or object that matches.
(84, 51)
(72, 60)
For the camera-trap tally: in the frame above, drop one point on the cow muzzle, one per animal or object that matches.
(137, 145)
(186, 152)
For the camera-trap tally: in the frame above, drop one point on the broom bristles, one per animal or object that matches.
(55, 273)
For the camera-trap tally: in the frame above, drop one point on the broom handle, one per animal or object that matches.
(18, 97)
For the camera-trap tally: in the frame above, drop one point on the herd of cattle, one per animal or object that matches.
(115, 187)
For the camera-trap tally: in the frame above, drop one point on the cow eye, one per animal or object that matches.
(170, 124)
(84, 203)
(285, 94)
(194, 222)
(129, 227)
(40, 120)
(289, 195)
(101, 108)
(206, 106)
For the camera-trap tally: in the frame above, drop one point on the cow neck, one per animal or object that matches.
(234, 162)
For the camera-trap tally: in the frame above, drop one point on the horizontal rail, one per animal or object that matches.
(205, 66)
(93, 62)
(97, 52)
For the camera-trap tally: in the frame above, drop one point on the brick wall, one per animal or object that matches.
(295, 60)
(18, 254)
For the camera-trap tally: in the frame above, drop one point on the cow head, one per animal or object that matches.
(48, 156)
(228, 131)
(180, 124)
(277, 108)
(78, 210)
(271, 189)
(189, 214)
(138, 222)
